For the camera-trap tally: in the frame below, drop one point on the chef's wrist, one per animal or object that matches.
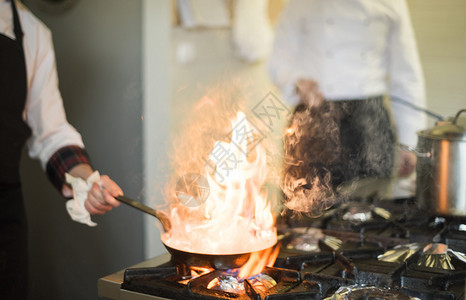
(63, 161)
(82, 171)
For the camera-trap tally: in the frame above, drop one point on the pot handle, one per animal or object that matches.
(414, 150)
(458, 115)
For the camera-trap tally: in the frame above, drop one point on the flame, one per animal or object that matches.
(290, 130)
(195, 272)
(258, 261)
(213, 283)
(234, 216)
(254, 266)
(199, 271)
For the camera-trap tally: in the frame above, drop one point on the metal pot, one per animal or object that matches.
(441, 170)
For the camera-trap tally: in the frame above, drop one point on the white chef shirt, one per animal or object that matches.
(351, 48)
(44, 112)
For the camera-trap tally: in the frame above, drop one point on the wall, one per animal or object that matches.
(440, 28)
(157, 81)
(212, 63)
(98, 48)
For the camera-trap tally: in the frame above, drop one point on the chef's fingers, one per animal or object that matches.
(110, 185)
(96, 201)
(66, 191)
(109, 199)
(110, 190)
(93, 210)
(101, 198)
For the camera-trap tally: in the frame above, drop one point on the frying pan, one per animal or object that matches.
(216, 261)
(181, 257)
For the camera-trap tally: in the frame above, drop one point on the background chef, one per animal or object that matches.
(353, 52)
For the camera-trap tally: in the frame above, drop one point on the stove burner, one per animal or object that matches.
(436, 256)
(227, 283)
(263, 282)
(305, 239)
(231, 283)
(400, 253)
(374, 258)
(165, 281)
(358, 214)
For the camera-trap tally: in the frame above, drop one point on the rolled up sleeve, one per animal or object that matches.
(44, 112)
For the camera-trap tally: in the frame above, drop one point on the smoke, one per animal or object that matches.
(311, 143)
(331, 146)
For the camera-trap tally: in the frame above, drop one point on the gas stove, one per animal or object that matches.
(358, 250)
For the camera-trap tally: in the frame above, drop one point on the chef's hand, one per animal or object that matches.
(308, 92)
(407, 164)
(99, 200)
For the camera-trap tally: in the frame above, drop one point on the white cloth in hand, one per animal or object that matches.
(81, 187)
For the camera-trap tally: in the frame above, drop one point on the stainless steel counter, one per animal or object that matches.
(109, 286)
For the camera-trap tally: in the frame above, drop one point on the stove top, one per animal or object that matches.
(359, 250)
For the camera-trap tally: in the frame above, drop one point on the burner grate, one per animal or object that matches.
(165, 281)
(334, 253)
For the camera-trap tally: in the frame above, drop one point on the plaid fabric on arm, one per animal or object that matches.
(63, 160)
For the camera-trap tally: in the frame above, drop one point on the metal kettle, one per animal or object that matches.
(441, 171)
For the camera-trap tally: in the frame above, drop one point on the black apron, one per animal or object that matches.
(13, 134)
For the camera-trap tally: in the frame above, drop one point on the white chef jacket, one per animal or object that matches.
(351, 48)
(44, 112)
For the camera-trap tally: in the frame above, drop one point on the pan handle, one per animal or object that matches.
(458, 115)
(421, 109)
(414, 150)
(166, 224)
(136, 204)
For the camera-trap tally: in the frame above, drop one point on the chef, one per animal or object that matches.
(31, 110)
(339, 58)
